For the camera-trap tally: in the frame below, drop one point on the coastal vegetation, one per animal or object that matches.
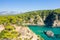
(8, 33)
(29, 17)
(39, 17)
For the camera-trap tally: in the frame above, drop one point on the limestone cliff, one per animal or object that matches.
(53, 19)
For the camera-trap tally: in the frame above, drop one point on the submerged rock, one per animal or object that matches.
(49, 33)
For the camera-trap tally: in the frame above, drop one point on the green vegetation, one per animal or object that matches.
(9, 33)
(25, 17)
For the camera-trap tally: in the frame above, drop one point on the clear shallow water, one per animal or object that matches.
(39, 30)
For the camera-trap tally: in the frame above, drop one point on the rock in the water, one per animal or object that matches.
(50, 33)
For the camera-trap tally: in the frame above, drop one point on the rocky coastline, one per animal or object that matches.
(24, 33)
(56, 23)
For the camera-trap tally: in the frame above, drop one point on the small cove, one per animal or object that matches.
(39, 30)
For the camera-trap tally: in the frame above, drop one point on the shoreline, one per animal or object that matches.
(35, 34)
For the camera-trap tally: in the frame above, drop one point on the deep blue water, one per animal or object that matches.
(39, 30)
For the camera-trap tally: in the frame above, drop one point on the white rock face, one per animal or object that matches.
(26, 33)
(50, 33)
(1, 28)
(56, 23)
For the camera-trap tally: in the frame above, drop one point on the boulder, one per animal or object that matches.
(49, 33)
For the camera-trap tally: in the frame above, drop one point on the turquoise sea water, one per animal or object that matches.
(39, 30)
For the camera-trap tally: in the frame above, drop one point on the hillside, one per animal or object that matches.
(33, 17)
(14, 27)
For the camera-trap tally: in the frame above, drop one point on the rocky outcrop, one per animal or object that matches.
(40, 21)
(56, 23)
(49, 19)
(50, 33)
(26, 33)
(52, 20)
(1, 28)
